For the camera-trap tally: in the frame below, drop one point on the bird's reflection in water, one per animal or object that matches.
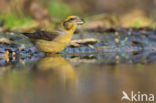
(96, 76)
(41, 79)
(56, 69)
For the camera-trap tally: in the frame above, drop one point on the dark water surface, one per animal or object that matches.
(81, 78)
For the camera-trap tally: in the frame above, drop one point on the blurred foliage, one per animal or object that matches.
(12, 21)
(59, 9)
(46, 14)
(105, 19)
(136, 18)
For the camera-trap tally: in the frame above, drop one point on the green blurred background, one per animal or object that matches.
(45, 14)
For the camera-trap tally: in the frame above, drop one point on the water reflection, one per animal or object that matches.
(79, 78)
(56, 67)
(114, 58)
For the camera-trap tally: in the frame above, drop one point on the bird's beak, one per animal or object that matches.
(80, 21)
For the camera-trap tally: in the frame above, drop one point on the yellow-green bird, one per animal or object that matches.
(59, 39)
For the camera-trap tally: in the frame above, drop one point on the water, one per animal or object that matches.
(79, 78)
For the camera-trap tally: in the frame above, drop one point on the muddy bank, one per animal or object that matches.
(96, 40)
(114, 40)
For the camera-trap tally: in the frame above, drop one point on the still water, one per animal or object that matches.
(81, 78)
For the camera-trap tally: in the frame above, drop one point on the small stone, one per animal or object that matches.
(129, 33)
(117, 40)
(91, 46)
(117, 57)
(6, 56)
(116, 33)
(13, 53)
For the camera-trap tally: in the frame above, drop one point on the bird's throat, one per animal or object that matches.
(69, 28)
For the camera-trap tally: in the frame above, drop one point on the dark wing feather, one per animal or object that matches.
(44, 35)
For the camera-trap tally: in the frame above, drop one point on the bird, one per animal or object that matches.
(57, 40)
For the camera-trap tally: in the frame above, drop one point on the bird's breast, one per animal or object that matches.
(64, 38)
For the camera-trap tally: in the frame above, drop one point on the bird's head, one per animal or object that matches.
(72, 22)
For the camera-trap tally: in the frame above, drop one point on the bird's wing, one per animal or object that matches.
(43, 35)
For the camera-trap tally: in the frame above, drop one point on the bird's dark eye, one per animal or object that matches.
(72, 19)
